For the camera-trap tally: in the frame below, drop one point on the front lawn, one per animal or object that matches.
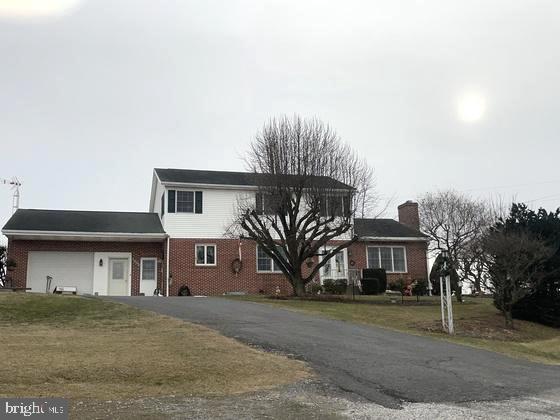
(477, 322)
(87, 348)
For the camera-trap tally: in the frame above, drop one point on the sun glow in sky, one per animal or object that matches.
(471, 106)
(35, 8)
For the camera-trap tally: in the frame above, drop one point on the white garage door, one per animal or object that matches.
(65, 268)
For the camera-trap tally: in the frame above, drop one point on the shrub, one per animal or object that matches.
(370, 286)
(539, 307)
(335, 287)
(420, 287)
(315, 288)
(377, 286)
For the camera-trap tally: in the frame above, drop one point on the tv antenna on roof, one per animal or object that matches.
(14, 182)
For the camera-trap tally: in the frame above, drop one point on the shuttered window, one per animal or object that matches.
(181, 201)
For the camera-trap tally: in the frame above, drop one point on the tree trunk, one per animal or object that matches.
(298, 285)
(509, 319)
(477, 286)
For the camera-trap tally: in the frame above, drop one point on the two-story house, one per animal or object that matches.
(183, 240)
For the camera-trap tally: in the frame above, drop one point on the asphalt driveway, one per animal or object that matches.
(382, 366)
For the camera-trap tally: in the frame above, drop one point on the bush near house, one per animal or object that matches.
(335, 287)
(315, 288)
(374, 281)
(420, 287)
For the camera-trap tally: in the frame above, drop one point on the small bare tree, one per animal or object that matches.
(455, 222)
(308, 187)
(515, 262)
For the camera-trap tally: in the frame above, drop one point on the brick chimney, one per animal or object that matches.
(408, 214)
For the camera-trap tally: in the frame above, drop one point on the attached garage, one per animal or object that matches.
(63, 268)
(99, 253)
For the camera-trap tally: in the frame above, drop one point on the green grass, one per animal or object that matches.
(31, 308)
(477, 322)
(88, 348)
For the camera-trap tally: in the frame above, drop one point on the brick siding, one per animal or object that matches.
(219, 279)
(416, 260)
(19, 250)
(208, 280)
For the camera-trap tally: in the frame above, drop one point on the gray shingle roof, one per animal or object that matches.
(193, 176)
(84, 221)
(385, 228)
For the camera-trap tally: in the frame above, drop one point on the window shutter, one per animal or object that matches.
(198, 202)
(171, 201)
(347, 207)
(259, 203)
(163, 204)
(323, 206)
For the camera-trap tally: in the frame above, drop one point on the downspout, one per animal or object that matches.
(167, 269)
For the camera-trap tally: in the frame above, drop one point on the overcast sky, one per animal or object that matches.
(436, 94)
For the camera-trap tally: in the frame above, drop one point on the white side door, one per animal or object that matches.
(148, 276)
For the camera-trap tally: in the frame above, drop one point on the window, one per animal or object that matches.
(392, 259)
(148, 270)
(185, 202)
(180, 201)
(265, 263)
(335, 205)
(267, 203)
(205, 254)
(117, 270)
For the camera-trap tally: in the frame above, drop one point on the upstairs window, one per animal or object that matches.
(335, 205)
(267, 203)
(182, 201)
(391, 258)
(205, 254)
(185, 202)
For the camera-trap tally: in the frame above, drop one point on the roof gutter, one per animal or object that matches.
(120, 235)
(394, 238)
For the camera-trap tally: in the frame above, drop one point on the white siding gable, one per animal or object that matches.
(218, 211)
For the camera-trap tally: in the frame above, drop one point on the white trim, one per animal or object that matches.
(392, 257)
(205, 255)
(393, 239)
(257, 263)
(187, 185)
(119, 235)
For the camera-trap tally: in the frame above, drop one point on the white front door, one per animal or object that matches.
(118, 277)
(335, 268)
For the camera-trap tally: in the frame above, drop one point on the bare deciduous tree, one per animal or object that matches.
(454, 223)
(309, 185)
(515, 261)
(6, 265)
